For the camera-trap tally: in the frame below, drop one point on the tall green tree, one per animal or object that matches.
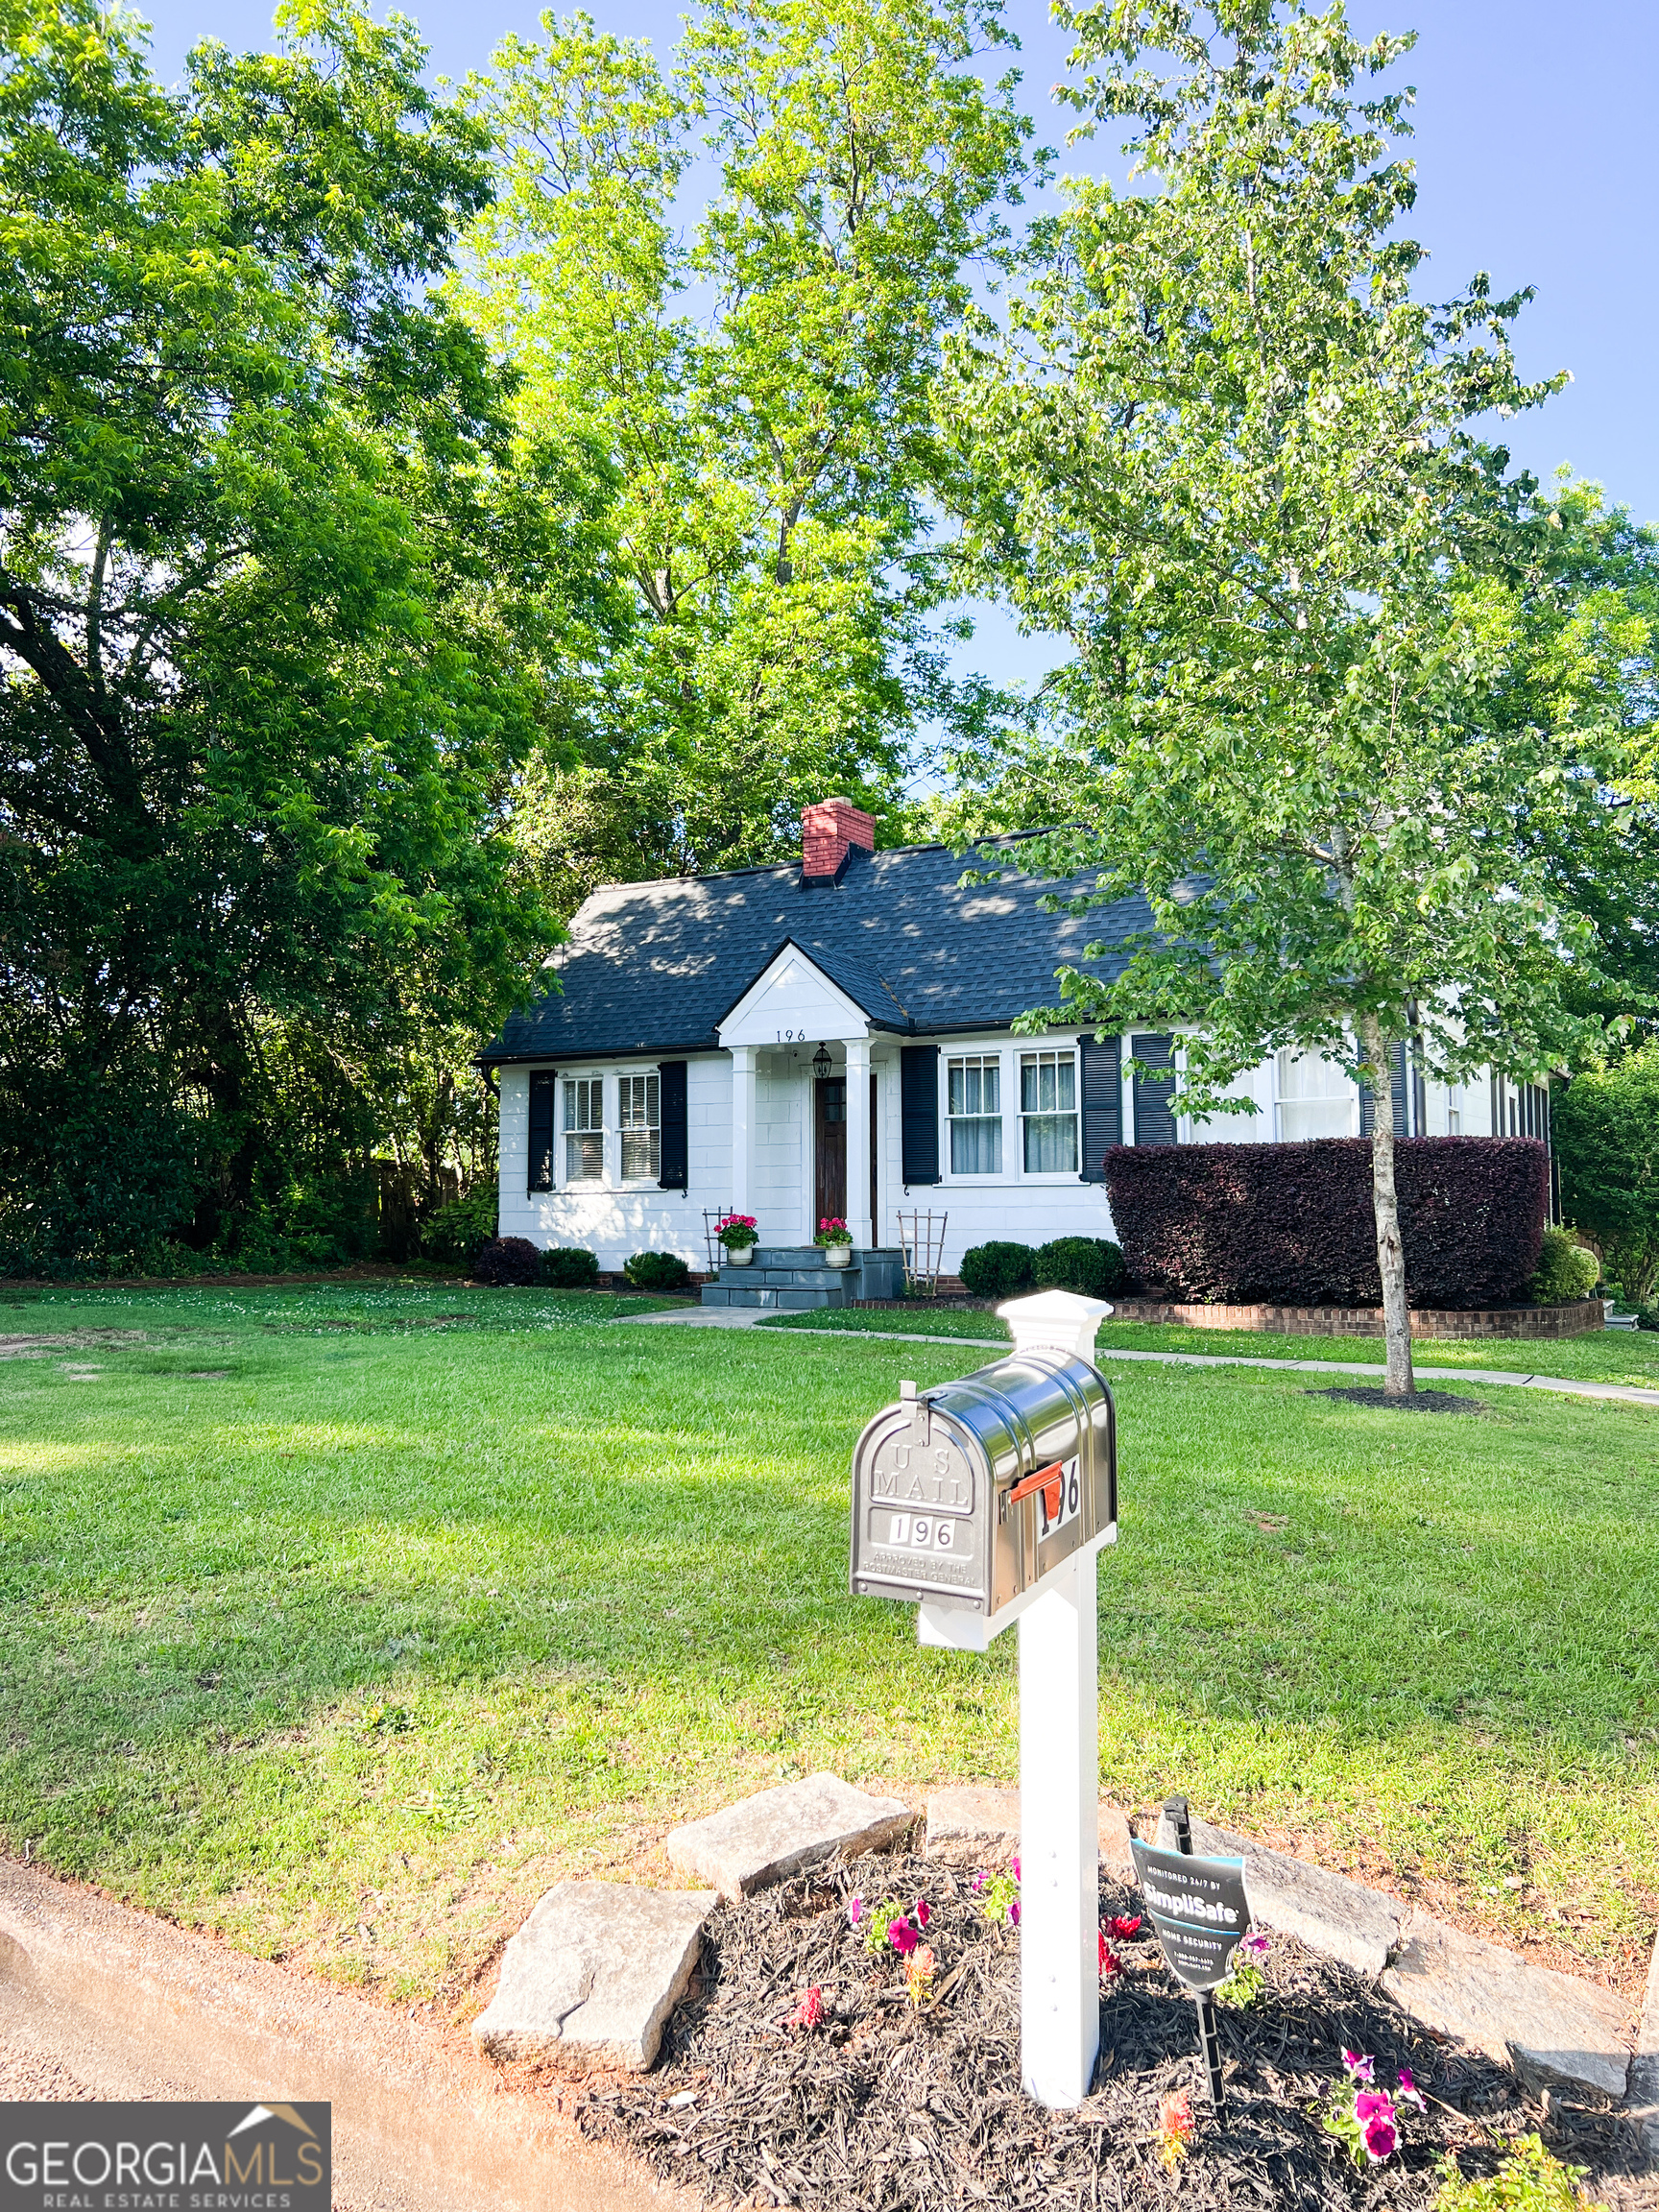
(1230, 454)
(761, 389)
(274, 617)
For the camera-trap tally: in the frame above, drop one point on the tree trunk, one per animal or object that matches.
(1397, 1382)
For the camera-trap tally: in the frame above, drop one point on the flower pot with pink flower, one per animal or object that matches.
(737, 1234)
(835, 1239)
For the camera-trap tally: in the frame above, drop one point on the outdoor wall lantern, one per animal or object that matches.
(821, 1061)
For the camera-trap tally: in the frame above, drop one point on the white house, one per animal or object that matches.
(834, 1037)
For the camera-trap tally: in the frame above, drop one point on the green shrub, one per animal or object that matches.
(998, 1270)
(657, 1271)
(1566, 1270)
(1529, 2179)
(1605, 1130)
(455, 1232)
(569, 1267)
(1092, 1266)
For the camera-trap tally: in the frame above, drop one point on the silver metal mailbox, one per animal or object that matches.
(967, 1494)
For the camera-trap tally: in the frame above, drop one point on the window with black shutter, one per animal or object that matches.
(1398, 1091)
(919, 1113)
(541, 1095)
(1102, 1103)
(1154, 1098)
(676, 1173)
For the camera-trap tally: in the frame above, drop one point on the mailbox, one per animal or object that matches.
(965, 1495)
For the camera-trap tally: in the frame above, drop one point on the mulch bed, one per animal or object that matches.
(1419, 1401)
(887, 2108)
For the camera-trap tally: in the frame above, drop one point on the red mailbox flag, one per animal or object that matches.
(1050, 1481)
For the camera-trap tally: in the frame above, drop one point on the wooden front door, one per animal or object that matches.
(830, 1183)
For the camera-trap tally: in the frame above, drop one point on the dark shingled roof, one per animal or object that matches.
(655, 967)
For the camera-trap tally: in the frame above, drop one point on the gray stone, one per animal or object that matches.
(1644, 2091)
(593, 1973)
(1556, 2031)
(765, 1837)
(1330, 1914)
(987, 1821)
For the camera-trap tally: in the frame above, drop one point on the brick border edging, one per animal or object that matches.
(1575, 1319)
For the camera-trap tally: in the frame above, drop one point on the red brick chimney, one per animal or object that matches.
(828, 829)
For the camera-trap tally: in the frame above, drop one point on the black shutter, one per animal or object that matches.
(676, 1149)
(541, 1177)
(1102, 1104)
(1398, 1088)
(1154, 1110)
(919, 1112)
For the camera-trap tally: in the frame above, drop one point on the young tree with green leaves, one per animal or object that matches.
(275, 618)
(760, 390)
(1229, 453)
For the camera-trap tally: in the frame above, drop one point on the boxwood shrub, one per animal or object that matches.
(998, 1270)
(657, 1271)
(569, 1267)
(1566, 1270)
(1292, 1224)
(1092, 1266)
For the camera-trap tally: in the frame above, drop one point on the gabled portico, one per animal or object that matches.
(794, 1007)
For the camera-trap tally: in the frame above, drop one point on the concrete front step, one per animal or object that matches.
(780, 1298)
(794, 1278)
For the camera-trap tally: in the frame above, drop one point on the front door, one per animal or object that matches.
(830, 1184)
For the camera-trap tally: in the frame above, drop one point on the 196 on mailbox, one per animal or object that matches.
(967, 1494)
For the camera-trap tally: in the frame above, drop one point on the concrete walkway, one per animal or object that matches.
(1627, 1393)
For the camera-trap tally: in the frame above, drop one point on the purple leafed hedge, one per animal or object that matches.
(1292, 1224)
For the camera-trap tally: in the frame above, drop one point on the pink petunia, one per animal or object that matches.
(854, 1911)
(903, 1937)
(1409, 2093)
(1016, 1869)
(1373, 2105)
(978, 1883)
(1125, 1930)
(1381, 2138)
(921, 1911)
(1014, 1914)
(1359, 2065)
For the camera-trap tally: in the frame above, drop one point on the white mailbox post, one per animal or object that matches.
(1010, 1558)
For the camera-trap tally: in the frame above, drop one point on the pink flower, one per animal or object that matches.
(1016, 1869)
(902, 1936)
(978, 1883)
(921, 1911)
(1409, 2093)
(1381, 2138)
(1014, 1914)
(808, 2013)
(854, 1911)
(1125, 1930)
(1358, 2064)
(1254, 1947)
(1110, 1962)
(1373, 2105)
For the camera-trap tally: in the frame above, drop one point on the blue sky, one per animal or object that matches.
(1535, 153)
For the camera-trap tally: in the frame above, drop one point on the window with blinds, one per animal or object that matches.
(1312, 1097)
(584, 1129)
(639, 1117)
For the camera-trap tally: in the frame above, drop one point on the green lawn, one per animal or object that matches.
(1605, 1356)
(345, 1620)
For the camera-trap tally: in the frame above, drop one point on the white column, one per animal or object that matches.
(742, 1128)
(1059, 1838)
(858, 1219)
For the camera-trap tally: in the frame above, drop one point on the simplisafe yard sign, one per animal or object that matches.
(1198, 1908)
(986, 1501)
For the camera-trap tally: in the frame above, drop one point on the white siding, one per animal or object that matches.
(610, 1221)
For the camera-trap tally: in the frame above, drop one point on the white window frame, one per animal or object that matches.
(568, 1086)
(650, 1080)
(1057, 1052)
(1348, 1097)
(990, 1057)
